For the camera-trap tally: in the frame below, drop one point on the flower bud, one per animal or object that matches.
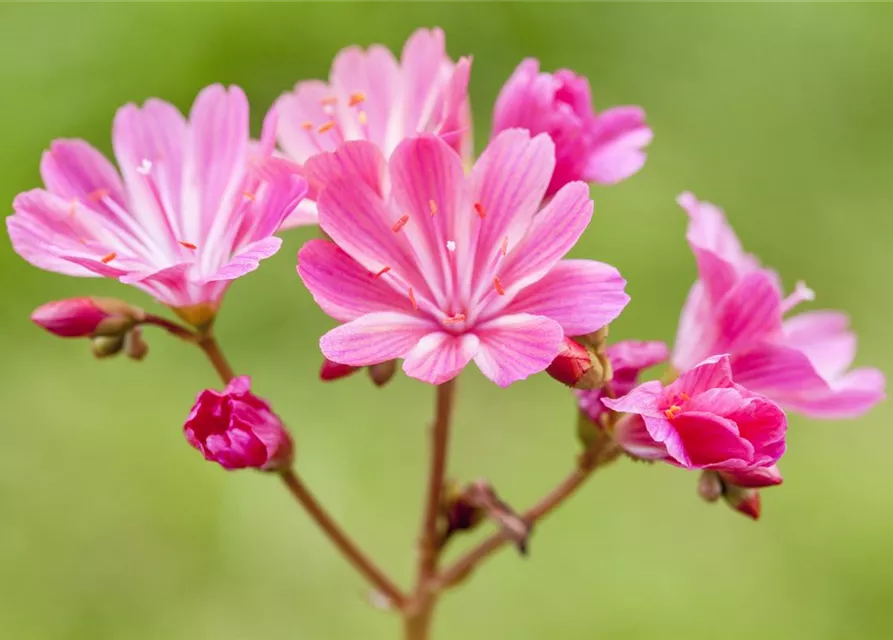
(382, 372)
(237, 430)
(135, 346)
(710, 487)
(85, 317)
(743, 500)
(574, 367)
(105, 346)
(334, 370)
(753, 478)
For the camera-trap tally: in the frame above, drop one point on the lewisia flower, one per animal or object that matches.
(187, 218)
(737, 307)
(443, 268)
(604, 147)
(628, 359)
(236, 429)
(371, 96)
(704, 420)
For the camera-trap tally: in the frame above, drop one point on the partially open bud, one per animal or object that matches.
(105, 346)
(334, 370)
(574, 367)
(382, 372)
(86, 317)
(743, 500)
(238, 430)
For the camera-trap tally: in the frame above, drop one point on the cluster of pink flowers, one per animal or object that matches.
(438, 259)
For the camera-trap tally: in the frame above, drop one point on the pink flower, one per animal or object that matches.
(628, 359)
(736, 307)
(443, 268)
(604, 147)
(83, 317)
(236, 429)
(188, 216)
(704, 420)
(371, 96)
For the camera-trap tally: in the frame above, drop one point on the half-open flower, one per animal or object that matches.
(372, 96)
(604, 147)
(187, 218)
(704, 420)
(442, 268)
(238, 430)
(737, 307)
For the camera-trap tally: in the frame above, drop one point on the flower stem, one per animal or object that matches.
(420, 610)
(459, 570)
(314, 509)
(209, 345)
(340, 539)
(173, 328)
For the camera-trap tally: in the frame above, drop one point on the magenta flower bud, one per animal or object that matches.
(331, 370)
(604, 147)
(753, 478)
(72, 318)
(237, 430)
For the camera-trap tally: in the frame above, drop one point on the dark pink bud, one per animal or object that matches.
(84, 317)
(237, 430)
(334, 370)
(743, 500)
(572, 364)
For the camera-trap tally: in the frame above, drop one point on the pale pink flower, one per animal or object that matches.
(372, 96)
(628, 359)
(604, 147)
(237, 430)
(704, 420)
(442, 268)
(188, 216)
(737, 307)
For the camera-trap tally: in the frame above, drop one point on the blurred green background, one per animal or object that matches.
(112, 527)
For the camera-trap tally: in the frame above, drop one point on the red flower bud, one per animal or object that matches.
(572, 364)
(334, 371)
(236, 429)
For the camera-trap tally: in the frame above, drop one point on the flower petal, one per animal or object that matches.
(708, 440)
(374, 75)
(422, 63)
(341, 286)
(517, 346)
(619, 135)
(551, 235)
(749, 313)
(581, 295)
(440, 356)
(73, 169)
(214, 170)
(359, 159)
(300, 114)
(509, 181)
(428, 184)
(714, 372)
(696, 336)
(149, 146)
(246, 259)
(643, 400)
(373, 338)
(824, 337)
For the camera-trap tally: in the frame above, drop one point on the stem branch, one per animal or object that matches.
(467, 563)
(340, 539)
